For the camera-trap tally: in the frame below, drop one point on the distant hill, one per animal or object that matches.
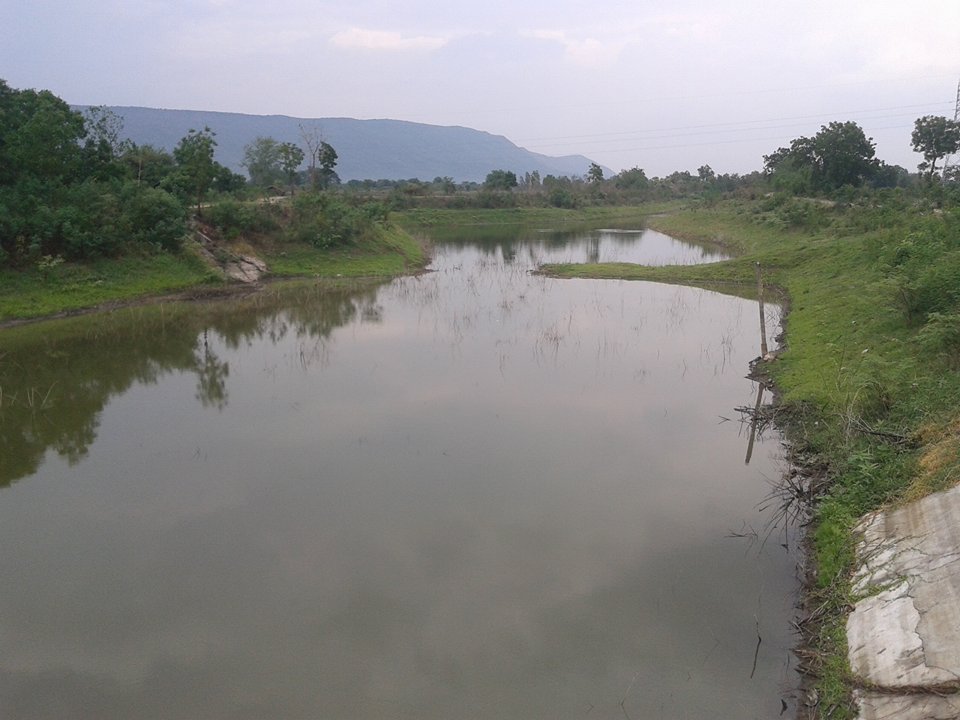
(367, 149)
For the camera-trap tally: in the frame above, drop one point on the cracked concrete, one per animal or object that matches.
(903, 636)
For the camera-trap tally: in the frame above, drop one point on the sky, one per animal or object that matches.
(663, 86)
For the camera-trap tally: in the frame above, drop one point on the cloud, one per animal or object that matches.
(586, 52)
(359, 38)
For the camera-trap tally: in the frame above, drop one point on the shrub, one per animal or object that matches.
(155, 218)
(325, 221)
(560, 197)
(941, 335)
(235, 218)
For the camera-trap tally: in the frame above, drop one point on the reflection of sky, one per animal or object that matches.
(645, 247)
(507, 497)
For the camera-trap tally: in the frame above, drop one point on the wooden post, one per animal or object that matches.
(763, 320)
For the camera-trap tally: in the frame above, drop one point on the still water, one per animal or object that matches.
(477, 493)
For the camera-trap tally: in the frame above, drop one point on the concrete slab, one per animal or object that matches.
(880, 706)
(903, 636)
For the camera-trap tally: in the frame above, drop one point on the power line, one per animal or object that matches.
(725, 127)
(728, 142)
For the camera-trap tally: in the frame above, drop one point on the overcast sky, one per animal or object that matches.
(660, 85)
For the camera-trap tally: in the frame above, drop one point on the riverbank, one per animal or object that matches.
(48, 290)
(868, 390)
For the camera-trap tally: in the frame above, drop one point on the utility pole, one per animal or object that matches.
(951, 161)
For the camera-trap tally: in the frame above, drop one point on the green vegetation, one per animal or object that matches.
(934, 137)
(51, 288)
(87, 218)
(529, 217)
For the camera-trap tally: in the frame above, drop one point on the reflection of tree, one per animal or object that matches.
(57, 377)
(211, 377)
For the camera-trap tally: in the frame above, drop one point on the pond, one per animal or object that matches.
(475, 493)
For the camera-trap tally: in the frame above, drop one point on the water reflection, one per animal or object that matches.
(532, 247)
(475, 492)
(56, 378)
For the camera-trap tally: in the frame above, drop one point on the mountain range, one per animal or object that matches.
(367, 149)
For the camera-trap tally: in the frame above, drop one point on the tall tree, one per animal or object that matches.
(194, 156)
(262, 160)
(327, 160)
(104, 143)
(595, 174)
(291, 156)
(934, 137)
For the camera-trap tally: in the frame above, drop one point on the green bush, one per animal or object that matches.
(560, 197)
(235, 218)
(155, 218)
(325, 221)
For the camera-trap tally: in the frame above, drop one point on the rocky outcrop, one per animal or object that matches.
(245, 268)
(241, 268)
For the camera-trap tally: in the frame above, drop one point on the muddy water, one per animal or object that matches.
(477, 493)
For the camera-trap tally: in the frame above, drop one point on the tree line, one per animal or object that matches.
(72, 188)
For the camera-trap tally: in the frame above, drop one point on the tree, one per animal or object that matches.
(70, 187)
(844, 155)
(39, 136)
(327, 160)
(500, 180)
(934, 137)
(319, 153)
(634, 179)
(262, 160)
(148, 165)
(532, 180)
(194, 157)
(890, 176)
(291, 156)
(103, 145)
(840, 154)
(595, 174)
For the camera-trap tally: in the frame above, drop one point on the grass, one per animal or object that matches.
(555, 218)
(38, 292)
(857, 395)
(33, 293)
(392, 252)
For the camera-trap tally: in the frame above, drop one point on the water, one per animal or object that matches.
(477, 493)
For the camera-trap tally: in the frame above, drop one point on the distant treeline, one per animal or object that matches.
(72, 189)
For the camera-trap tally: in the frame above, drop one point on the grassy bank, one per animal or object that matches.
(868, 381)
(534, 217)
(48, 289)
(392, 251)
